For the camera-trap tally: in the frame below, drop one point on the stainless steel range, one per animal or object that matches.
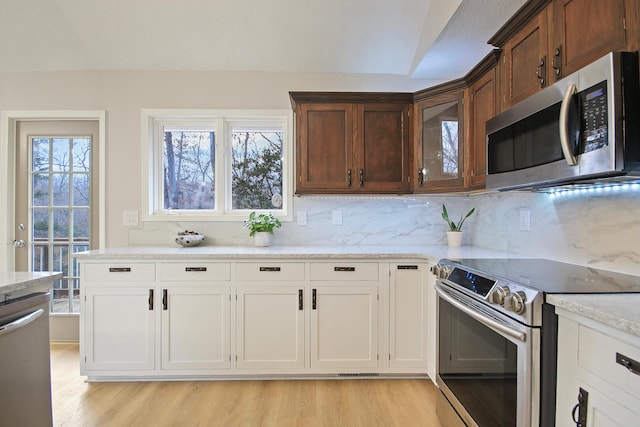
(497, 337)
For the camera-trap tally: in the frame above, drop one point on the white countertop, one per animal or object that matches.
(18, 283)
(617, 310)
(427, 252)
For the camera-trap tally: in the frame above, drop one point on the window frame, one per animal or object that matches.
(222, 122)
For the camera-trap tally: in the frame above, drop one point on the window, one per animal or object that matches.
(213, 165)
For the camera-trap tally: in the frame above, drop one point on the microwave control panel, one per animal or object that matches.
(594, 111)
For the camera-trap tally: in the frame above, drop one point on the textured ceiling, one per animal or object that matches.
(417, 38)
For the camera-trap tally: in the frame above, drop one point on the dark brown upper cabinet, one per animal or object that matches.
(585, 30)
(439, 134)
(547, 40)
(352, 142)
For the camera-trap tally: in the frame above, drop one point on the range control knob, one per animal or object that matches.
(517, 302)
(500, 295)
(441, 271)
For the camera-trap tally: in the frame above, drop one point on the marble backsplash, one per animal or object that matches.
(600, 230)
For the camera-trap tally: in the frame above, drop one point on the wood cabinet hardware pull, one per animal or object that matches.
(420, 176)
(150, 301)
(164, 299)
(269, 268)
(300, 300)
(632, 366)
(344, 269)
(361, 177)
(119, 269)
(314, 303)
(407, 267)
(349, 177)
(195, 269)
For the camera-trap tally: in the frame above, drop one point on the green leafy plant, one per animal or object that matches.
(455, 226)
(261, 222)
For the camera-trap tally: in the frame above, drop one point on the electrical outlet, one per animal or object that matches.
(302, 217)
(336, 217)
(525, 219)
(130, 218)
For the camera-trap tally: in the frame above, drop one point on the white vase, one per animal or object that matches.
(262, 238)
(454, 238)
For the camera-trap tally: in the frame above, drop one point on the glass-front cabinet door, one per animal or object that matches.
(439, 154)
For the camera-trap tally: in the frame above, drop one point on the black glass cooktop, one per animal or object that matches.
(554, 277)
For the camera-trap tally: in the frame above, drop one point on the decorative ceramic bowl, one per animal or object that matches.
(188, 240)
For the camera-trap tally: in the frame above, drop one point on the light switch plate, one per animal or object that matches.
(302, 217)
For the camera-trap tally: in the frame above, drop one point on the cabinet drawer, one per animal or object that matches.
(597, 354)
(119, 272)
(344, 271)
(195, 271)
(270, 271)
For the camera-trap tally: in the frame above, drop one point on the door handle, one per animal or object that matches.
(314, 304)
(19, 243)
(300, 300)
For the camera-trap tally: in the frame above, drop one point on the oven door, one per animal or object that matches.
(488, 365)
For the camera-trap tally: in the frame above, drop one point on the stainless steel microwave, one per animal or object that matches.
(584, 128)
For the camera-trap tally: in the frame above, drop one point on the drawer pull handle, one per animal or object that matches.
(195, 269)
(269, 268)
(314, 302)
(344, 269)
(164, 299)
(632, 366)
(150, 300)
(119, 269)
(300, 300)
(407, 267)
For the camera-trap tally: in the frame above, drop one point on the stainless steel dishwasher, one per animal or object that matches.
(25, 371)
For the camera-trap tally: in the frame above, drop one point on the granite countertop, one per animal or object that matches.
(427, 252)
(18, 283)
(617, 310)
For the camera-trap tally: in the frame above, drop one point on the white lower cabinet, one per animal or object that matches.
(169, 319)
(196, 328)
(270, 327)
(344, 327)
(119, 329)
(408, 300)
(587, 354)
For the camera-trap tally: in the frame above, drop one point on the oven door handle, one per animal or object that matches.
(487, 321)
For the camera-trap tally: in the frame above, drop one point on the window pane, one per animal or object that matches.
(81, 225)
(60, 189)
(40, 154)
(80, 189)
(40, 258)
(60, 303)
(60, 160)
(256, 168)
(61, 224)
(81, 154)
(40, 189)
(188, 160)
(450, 147)
(40, 224)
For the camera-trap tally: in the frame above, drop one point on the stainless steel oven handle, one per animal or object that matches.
(564, 125)
(480, 318)
(21, 322)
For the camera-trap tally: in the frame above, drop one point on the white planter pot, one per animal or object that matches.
(262, 238)
(454, 238)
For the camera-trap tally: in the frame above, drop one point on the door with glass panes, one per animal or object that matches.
(56, 201)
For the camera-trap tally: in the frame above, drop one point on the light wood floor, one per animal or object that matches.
(326, 403)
